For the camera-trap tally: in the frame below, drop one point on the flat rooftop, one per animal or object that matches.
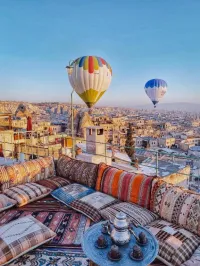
(195, 148)
(164, 168)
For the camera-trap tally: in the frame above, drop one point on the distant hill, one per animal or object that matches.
(189, 107)
(11, 106)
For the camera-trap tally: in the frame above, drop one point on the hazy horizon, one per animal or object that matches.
(141, 40)
(184, 106)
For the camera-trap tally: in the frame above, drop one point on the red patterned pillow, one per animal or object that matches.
(54, 182)
(125, 186)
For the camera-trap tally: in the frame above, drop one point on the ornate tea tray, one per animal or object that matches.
(99, 256)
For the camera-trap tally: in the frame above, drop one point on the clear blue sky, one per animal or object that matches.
(141, 39)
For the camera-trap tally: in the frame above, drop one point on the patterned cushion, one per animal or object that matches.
(135, 213)
(29, 171)
(176, 205)
(20, 236)
(125, 186)
(27, 193)
(176, 245)
(102, 167)
(4, 178)
(78, 171)
(71, 192)
(54, 182)
(91, 205)
(194, 260)
(6, 203)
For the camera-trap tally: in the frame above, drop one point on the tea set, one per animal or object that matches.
(120, 231)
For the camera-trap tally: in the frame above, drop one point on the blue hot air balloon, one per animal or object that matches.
(155, 89)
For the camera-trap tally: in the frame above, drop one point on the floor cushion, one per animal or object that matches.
(91, 205)
(176, 205)
(27, 193)
(176, 245)
(47, 167)
(20, 236)
(6, 203)
(68, 224)
(194, 260)
(125, 186)
(81, 172)
(134, 212)
(54, 182)
(71, 192)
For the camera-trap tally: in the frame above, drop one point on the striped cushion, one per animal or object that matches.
(27, 193)
(20, 236)
(135, 213)
(125, 186)
(29, 171)
(6, 203)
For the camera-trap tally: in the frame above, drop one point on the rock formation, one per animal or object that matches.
(81, 121)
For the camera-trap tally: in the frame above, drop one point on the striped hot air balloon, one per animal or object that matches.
(90, 77)
(155, 89)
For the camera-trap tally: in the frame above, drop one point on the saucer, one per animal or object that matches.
(142, 244)
(117, 259)
(100, 247)
(131, 256)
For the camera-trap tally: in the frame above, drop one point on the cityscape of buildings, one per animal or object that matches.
(166, 142)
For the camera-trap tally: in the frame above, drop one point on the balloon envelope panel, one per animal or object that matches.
(90, 77)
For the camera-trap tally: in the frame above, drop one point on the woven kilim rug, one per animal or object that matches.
(51, 257)
(66, 223)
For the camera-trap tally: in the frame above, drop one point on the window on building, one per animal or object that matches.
(100, 131)
(90, 131)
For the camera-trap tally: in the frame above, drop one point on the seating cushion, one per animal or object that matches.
(54, 182)
(91, 205)
(30, 171)
(176, 205)
(78, 171)
(176, 245)
(6, 203)
(24, 194)
(194, 260)
(20, 236)
(124, 186)
(71, 193)
(134, 212)
(68, 224)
